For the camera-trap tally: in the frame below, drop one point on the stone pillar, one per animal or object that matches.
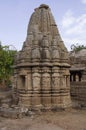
(55, 87)
(71, 77)
(77, 78)
(19, 83)
(46, 87)
(36, 84)
(67, 78)
(83, 76)
(28, 88)
(65, 100)
(62, 81)
(28, 80)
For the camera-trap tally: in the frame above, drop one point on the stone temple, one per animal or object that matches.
(41, 69)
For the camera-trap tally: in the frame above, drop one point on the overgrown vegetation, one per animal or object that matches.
(6, 63)
(77, 47)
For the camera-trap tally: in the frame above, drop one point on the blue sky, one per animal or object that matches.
(70, 17)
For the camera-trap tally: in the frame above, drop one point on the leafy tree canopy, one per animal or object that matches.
(6, 63)
(77, 47)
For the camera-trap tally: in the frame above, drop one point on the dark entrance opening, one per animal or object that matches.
(22, 81)
(75, 76)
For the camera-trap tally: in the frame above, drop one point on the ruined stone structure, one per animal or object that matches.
(78, 76)
(41, 75)
(78, 65)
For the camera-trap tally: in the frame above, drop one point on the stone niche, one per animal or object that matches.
(41, 69)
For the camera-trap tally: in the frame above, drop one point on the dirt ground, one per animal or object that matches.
(62, 120)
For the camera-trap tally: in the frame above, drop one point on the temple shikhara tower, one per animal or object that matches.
(41, 70)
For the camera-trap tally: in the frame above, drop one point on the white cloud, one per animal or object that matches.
(74, 29)
(83, 1)
(69, 41)
(79, 27)
(68, 19)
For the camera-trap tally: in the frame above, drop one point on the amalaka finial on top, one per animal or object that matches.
(44, 6)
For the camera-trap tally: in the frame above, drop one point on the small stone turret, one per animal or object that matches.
(42, 78)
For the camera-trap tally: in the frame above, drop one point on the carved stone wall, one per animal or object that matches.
(41, 67)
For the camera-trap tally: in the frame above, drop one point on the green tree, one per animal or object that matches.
(77, 47)
(6, 63)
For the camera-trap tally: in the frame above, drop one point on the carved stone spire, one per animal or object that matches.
(42, 69)
(43, 38)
